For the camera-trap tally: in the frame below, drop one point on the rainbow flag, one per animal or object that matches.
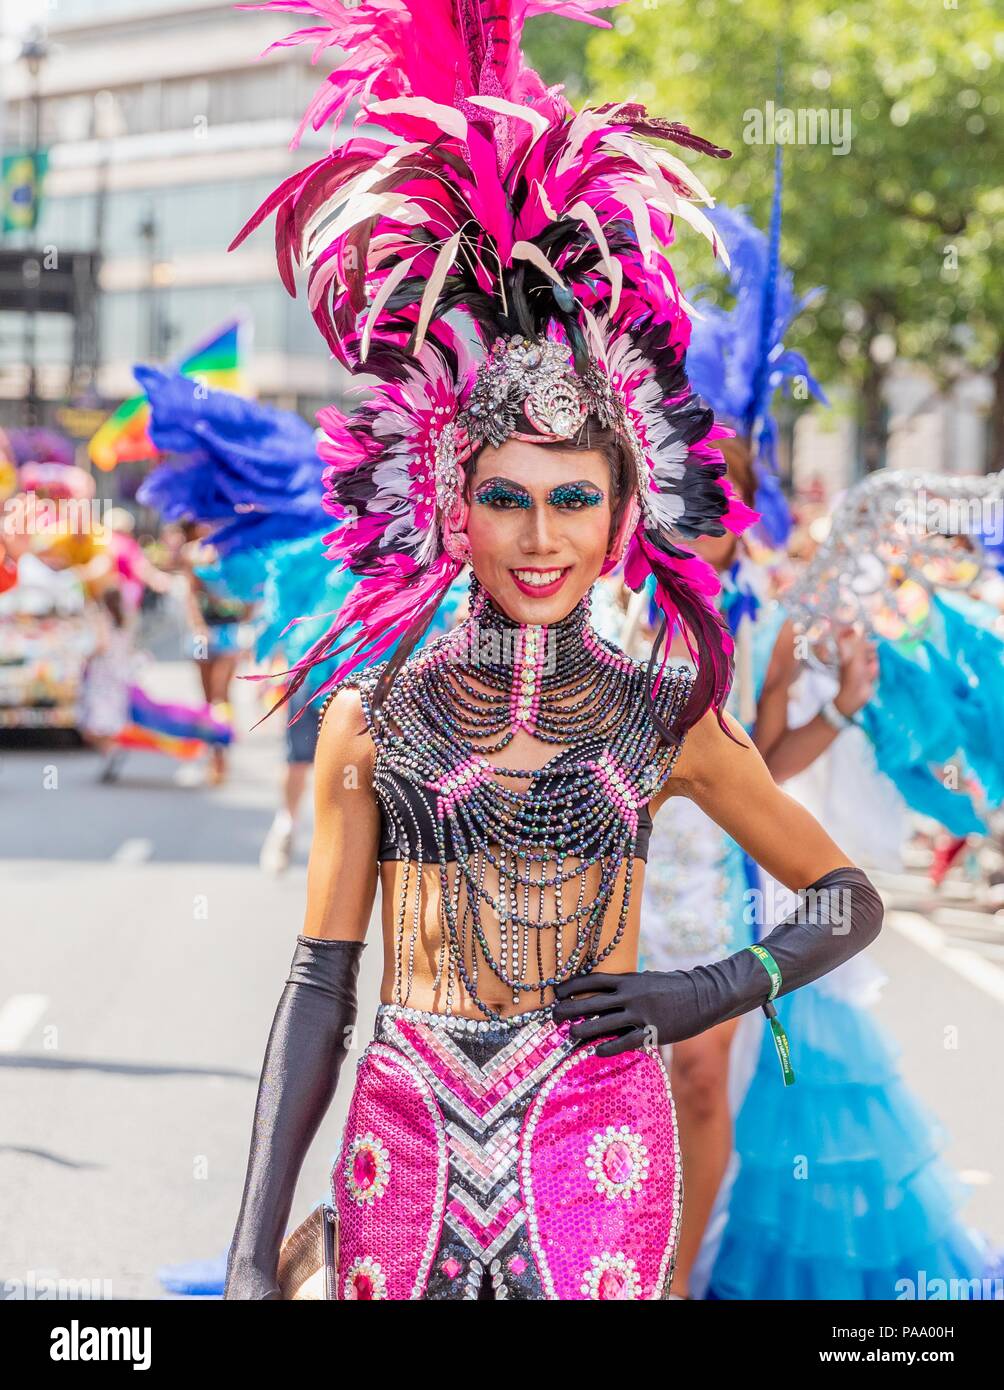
(218, 361)
(178, 731)
(136, 739)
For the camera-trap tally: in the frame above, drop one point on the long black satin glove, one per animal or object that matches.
(837, 916)
(310, 1036)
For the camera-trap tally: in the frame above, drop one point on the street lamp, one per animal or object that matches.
(34, 52)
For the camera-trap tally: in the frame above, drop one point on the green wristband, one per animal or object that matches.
(780, 1037)
(770, 965)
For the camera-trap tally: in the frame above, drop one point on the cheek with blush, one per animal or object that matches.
(492, 535)
(591, 527)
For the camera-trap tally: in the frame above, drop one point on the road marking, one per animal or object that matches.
(976, 1177)
(133, 852)
(18, 1017)
(976, 969)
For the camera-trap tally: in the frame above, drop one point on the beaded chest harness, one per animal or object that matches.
(563, 684)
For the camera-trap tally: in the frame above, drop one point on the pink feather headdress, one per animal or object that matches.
(489, 204)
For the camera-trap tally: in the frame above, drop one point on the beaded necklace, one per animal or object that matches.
(563, 684)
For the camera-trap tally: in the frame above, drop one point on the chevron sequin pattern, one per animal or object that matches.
(483, 1078)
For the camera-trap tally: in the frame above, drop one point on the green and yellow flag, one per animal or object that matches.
(23, 175)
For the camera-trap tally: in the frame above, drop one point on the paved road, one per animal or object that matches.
(142, 956)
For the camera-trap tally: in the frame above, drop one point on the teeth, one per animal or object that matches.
(536, 577)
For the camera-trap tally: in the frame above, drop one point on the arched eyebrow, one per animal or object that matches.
(501, 486)
(582, 489)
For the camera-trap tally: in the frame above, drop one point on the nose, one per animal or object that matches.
(540, 534)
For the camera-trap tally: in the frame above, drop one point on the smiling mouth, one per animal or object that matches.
(538, 581)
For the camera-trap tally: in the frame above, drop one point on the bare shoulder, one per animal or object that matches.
(344, 738)
(708, 754)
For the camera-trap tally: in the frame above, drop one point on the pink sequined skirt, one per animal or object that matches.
(485, 1160)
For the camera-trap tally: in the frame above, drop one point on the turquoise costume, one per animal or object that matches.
(875, 1203)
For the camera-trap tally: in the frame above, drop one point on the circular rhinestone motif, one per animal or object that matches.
(617, 1162)
(366, 1169)
(365, 1280)
(611, 1277)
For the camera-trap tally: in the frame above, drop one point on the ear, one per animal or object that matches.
(624, 532)
(456, 542)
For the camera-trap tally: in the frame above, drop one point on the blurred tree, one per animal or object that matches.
(893, 167)
(556, 48)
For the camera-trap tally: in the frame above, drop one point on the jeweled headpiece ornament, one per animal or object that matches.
(494, 260)
(522, 382)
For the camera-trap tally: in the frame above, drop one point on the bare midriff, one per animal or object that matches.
(415, 956)
(418, 970)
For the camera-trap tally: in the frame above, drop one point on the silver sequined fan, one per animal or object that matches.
(892, 532)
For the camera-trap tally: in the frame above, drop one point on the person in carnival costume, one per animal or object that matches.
(494, 262)
(823, 1239)
(878, 1209)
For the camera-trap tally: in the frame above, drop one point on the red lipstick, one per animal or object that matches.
(539, 590)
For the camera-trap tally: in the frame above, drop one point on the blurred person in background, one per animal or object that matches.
(220, 640)
(692, 902)
(104, 697)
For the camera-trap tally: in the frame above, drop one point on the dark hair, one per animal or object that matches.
(738, 456)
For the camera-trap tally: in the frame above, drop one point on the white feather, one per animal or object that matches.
(362, 183)
(448, 118)
(538, 123)
(359, 210)
(545, 201)
(446, 257)
(610, 263)
(639, 215)
(526, 251)
(667, 507)
(581, 126)
(596, 333)
(386, 290)
(665, 196)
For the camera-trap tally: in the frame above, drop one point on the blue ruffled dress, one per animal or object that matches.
(840, 1190)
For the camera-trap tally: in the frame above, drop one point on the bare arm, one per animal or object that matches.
(840, 915)
(314, 1022)
(154, 578)
(731, 784)
(788, 751)
(342, 872)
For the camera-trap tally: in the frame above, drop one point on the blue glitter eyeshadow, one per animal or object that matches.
(571, 494)
(494, 493)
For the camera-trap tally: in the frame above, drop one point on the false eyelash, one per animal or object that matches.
(497, 492)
